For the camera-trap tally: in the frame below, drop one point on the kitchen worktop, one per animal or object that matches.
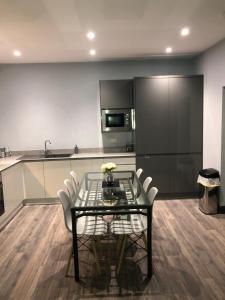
(12, 160)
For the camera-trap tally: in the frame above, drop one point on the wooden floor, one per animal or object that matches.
(188, 258)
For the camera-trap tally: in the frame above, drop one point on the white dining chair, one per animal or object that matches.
(75, 180)
(139, 172)
(70, 190)
(91, 226)
(137, 224)
(146, 183)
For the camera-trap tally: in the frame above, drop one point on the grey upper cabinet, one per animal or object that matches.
(169, 114)
(116, 94)
(185, 114)
(151, 114)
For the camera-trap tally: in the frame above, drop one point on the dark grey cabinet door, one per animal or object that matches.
(116, 94)
(173, 175)
(185, 114)
(186, 168)
(152, 115)
(157, 167)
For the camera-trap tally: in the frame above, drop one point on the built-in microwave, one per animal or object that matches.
(117, 120)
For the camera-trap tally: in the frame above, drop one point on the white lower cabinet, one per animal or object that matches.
(12, 188)
(81, 166)
(33, 177)
(55, 172)
(42, 179)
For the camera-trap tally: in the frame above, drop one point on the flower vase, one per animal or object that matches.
(109, 178)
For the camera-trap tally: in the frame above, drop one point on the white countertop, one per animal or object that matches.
(8, 162)
(12, 160)
(101, 154)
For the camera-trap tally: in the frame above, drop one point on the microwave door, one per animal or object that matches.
(115, 120)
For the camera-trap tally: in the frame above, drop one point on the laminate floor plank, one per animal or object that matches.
(188, 258)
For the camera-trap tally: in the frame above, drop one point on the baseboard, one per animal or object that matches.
(172, 196)
(221, 209)
(6, 218)
(43, 201)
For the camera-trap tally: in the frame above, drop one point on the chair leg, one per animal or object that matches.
(144, 239)
(124, 241)
(68, 262)
(119, 244)
(96, 243)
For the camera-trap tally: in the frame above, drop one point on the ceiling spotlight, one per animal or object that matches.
(16, 53)
(92, 52)
(90, 35)
(168, 50)
(185, 31)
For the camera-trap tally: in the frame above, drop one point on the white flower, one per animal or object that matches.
(108, 167)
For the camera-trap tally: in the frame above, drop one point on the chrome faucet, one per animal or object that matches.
(46, 141)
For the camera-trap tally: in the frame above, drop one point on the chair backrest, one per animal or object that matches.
(152, 194)
(146, 183)
(66, 204)
(71, 191)
(138, 172)
(75, 180)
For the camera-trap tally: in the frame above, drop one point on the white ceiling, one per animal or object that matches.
(55, 30)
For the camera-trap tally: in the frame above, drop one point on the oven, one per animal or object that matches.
(117, 120)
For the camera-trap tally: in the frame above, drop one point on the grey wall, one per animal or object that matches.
(222, 189)
(61, 101)
(212, 65)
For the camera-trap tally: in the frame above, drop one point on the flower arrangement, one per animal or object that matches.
(108, 167)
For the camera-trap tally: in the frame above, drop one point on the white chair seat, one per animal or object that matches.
(89, 225)
(134, 225)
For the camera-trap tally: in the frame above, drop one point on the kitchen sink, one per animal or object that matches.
(55, 155)
(48, 155)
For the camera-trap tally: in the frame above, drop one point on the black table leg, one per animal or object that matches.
(149, 241)
(75, 246)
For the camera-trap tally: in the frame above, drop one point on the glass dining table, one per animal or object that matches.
(122, 197)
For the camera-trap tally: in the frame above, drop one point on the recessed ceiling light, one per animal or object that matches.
(169, 50)
(185, 31)
(16, 53)
(90, 35)
(92, 52)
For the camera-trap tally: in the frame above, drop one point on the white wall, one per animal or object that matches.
(212, 65)
(61, 101)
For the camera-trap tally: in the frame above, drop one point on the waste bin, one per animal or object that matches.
(209, 180)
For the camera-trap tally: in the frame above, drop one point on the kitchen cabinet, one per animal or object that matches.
(169, 126)
(151, 114)
(174, 174)
(169, 114)
(185, 114)
(81, 166)
(12, 188)
(33, 178)
(115, 94)
(186, 168)
(55, 172)
(157, 167)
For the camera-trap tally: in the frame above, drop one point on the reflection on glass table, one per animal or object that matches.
(124, 198)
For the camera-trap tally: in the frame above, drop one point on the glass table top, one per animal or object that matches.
(126, 191)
